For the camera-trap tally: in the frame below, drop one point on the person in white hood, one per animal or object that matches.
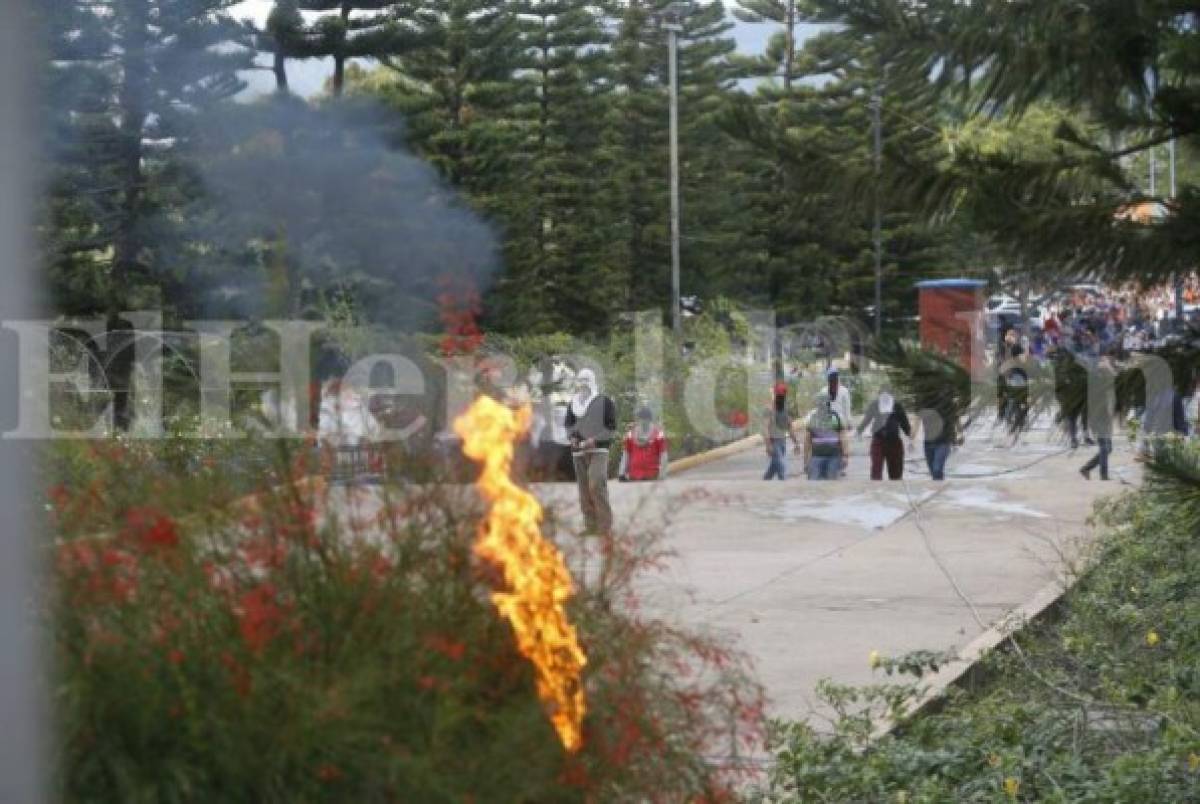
(887, 420)
(591, 424)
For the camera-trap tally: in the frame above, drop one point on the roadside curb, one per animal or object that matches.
(968, 658)
(702, 458)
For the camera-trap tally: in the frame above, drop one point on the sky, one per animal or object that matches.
(306, 77)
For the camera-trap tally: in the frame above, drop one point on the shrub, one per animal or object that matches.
(314, 644)
(1100, 703)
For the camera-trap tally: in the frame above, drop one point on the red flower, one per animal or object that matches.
(121, 569)
(149, 529)
(450, 648)
(259, 616)
(77, 555)
(239, 675)
(175, 656)
(59, 496)
(329, 773)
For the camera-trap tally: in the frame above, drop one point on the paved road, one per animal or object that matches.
(809, 578)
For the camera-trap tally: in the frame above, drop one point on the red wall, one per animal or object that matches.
(943, 326)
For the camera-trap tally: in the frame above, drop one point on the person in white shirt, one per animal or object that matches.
(837, 395)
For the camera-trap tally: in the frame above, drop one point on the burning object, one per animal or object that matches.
(536, 575)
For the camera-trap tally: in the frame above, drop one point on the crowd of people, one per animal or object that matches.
(1080, 341)
(1089, 319)
(1078, 345)
(1084, 338)
(821, 438)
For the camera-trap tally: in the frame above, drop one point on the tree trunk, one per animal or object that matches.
(339, 58)
(339, 75)
(127, 245)
(280, 70)
(789, 55)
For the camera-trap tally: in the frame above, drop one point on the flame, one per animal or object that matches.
(538, 581)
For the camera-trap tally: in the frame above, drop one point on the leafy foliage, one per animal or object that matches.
(1098, 704)
(308, 644)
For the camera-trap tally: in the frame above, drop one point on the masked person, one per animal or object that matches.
(776, 431)
(838, 397)
(826, 450)
(591, 424)
(1101, 400)
(644, 456)
(887, 420)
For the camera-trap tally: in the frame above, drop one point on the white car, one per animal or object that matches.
(1001, 302)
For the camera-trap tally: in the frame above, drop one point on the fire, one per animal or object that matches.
(538, 582)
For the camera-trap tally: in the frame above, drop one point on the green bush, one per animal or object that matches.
(216, 648)
(1099, 703)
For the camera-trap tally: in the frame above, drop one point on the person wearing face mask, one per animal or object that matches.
(838, 397)
(826, 452)
(886, 418)
(645, 450)
(777, 430)
(591, 424)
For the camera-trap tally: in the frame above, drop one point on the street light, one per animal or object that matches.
(671, 19)
(877, 228)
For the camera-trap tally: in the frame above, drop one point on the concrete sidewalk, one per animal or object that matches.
(809, 578)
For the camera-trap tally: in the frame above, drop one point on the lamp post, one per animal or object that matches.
(877, 230)
(671, 20)
(1178, 277)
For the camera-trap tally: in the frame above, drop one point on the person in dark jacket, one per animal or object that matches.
(591, 424)
(886, 419)
(1101, 401)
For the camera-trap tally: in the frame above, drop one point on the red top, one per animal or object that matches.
(644, 457)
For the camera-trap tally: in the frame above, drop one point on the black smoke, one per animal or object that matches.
(310, 205)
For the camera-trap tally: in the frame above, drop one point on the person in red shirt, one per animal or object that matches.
(645, 453)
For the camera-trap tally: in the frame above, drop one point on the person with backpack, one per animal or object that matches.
(826, 451)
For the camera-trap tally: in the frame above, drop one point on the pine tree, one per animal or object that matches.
(128, 79)
(552, 203)
(286, 37)
(817, 185)
(1127, 66)
(380, 29)
(638, 145)
(780, 58)
(456, 89)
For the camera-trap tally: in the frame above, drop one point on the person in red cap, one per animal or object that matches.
(777, 430)
(645, 454)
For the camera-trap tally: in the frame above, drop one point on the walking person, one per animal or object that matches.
(838, 396)
(938, 431)
(826, 450)
(776, 431)
(886, 418)
(591, 424)
(1101, 403)
(1015, 381)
